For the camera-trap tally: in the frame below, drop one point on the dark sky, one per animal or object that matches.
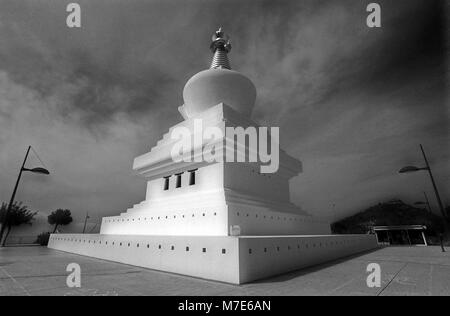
(353, 103)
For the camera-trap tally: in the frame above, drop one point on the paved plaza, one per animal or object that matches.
(404, 271)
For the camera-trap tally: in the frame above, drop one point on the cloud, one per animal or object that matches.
(86, 169)
(353, 103)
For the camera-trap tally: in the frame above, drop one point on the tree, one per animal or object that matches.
(60, 217)
(43, 239)
(18, 215)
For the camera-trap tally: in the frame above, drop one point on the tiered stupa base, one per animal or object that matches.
(227, 259)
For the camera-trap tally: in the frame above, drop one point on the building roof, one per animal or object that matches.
(400, 227)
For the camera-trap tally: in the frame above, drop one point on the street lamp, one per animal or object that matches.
(37, 170)
(427, 202)
(408, 169)
(85, 222)
(8, 210)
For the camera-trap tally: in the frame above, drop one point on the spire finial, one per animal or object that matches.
(220, 46)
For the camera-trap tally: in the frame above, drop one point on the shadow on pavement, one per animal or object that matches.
(303, 271)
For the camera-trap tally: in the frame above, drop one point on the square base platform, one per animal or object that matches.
(227, 259)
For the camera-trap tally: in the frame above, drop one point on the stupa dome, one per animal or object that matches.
(219, 84)
(213, 86)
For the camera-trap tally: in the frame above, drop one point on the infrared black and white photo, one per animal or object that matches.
(200, 150)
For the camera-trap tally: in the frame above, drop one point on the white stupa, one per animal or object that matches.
(218, 220)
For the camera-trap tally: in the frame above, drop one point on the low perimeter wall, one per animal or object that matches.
(228, 259)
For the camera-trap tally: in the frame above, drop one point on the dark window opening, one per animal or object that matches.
(192, 176)
(166, 183)
(178, 185)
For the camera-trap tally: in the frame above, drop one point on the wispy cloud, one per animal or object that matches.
(353, 103)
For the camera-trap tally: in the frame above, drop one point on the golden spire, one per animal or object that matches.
(220, 46)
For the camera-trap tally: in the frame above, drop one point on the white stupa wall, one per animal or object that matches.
(246, 178)
(209, 179)
(194, 210)
(225, 194)
(234, 260)
(198, 209)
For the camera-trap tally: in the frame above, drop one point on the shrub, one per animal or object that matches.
(43, 239)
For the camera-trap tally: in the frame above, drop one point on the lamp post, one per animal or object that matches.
(85, 222)
(8, 210)
(428, 168)
(427, 203)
